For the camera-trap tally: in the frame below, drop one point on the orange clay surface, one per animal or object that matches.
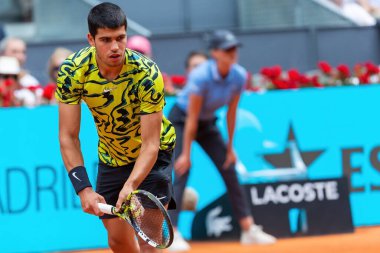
(364, 240)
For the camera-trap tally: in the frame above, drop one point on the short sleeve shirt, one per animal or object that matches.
(118, 104)
(216, 91)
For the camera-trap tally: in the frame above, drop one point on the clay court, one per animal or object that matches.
(364, 240)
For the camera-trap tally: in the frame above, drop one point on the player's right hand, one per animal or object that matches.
(182, 164)
(89, 201)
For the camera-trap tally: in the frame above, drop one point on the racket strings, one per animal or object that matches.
(150, 219)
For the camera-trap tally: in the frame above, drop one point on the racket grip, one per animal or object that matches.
(108, 209)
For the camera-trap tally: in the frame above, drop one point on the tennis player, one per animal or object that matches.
(125, 94)
(215, 83)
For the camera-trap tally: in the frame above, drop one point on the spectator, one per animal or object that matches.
(372, 6)
(355, 12)
(193, 59)
(142, 45)
(9, 70)
(11, 46)
(55, 61)
(11, 92)
(215, 83)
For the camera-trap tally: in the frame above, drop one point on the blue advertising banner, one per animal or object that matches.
(302, 134)
(39, 211)
(280, 135)
(335, 131)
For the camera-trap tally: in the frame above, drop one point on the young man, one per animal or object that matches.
(215, 83)
(124, 91)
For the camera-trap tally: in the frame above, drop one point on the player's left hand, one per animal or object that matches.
(230, 159)
(127, 189)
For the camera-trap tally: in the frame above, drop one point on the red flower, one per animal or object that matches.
(272, 72)
(344, 71)
(294, 75)
(292, 84)
(33, 88)
(49, 91)
(359, 69)
(325, 67)
(364, 79)
(178, 80)
(315, 81)
(280, 84)
(276, 71)
(304, 80)
(372, 69)
(266, 71)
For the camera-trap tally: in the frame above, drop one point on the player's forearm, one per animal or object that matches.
(231, 121)
(189, 135)
(71, 152)
(144, 163)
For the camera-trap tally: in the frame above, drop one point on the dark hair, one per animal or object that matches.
(105, 15)
(192, 54)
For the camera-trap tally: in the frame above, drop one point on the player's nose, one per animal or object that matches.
(114, 46)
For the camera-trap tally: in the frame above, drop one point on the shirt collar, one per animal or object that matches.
(215, 73)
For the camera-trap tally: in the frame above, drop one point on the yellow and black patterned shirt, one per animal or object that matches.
(116, 105)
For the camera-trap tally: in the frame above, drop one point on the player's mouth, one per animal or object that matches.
(115, 57)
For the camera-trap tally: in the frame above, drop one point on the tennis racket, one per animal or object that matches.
(145, 213)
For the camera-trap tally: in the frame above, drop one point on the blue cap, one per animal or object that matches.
(223, 39)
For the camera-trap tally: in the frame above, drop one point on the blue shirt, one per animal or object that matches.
(206, 81)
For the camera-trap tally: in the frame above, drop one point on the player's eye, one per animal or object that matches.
(120, 38)
(106, 40)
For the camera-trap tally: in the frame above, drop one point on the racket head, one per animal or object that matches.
(150, 219)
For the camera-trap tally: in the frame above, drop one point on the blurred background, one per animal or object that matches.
(310, 105)
(290, 33)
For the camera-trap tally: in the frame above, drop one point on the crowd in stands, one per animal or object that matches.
(363, 12)
(19, 88)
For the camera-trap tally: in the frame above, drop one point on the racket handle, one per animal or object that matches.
(108, 209)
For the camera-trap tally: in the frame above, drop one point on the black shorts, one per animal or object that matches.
(111, 180)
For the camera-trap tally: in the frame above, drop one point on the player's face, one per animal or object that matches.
(110, 46)
(195, 61)
(16, 48)
(226, 57)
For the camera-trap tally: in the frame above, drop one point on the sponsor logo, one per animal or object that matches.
(295, 193)
(215, 225)
(108, 90)
(160, 198)
(75, 176)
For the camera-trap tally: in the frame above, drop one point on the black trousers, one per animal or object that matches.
(110, 181)
(210, 139)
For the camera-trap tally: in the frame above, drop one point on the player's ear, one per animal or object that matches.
(91, 40)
